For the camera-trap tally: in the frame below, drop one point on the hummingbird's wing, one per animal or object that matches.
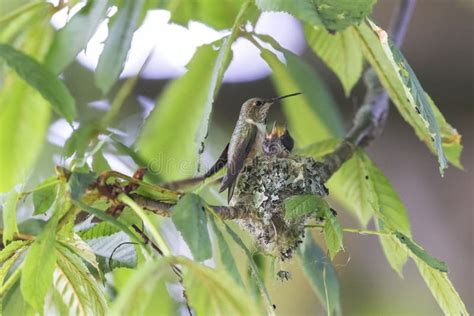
(220, 163)
(236, 162)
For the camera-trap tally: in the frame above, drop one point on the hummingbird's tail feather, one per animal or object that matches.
(228, 182)
(219, 164)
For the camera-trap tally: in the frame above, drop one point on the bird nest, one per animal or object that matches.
(262, 189)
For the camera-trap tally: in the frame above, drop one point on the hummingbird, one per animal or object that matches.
(278, 142)
(246, 141)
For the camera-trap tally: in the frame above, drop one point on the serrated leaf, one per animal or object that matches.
(75, 35)
(116, 47)
(442, 289)
(404, 89)
(190, 219)
(320, 273)
(340, 52)
(254, 269)
(421, 253)
(301, 205)
(334, 15)
(332, 233)
(145, 285)
(312, 116)
(226, 257)
(79, 182)
(44, 195)
(102, 229)
(10, 227)
(434, 274)
(76, 285)
(36, 279)
(40, 78)
(211, 292)
(175, 130)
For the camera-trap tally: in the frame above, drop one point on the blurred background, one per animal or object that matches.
(440, 48)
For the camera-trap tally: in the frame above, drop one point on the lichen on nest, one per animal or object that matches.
(262, 188)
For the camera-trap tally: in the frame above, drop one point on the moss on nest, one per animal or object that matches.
(261, 189)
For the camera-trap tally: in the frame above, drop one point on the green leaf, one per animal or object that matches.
(434, 273)
(190, 219)
(76, 285)
(39, 77)
(175, 131)
(320, 273)
(312, 116)
(319, 149)
(301, 205)
(10, 261)
(334, 15)
(211, 292)
(75, 35)
(44, 195)
(254, 269)
(117, 44)
(441, 288)
(341, 52)
(226, 257)
(421, 253)
(218, 14)
(404, 89)
(383, 201)
(332, 233)
(79, 182)
(102, 229)
(10, 227)
(144, 287)
(36, 279)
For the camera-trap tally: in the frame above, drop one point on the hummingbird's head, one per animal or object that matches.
(257, 108)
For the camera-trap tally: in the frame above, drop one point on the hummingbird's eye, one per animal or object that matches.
(258, 103)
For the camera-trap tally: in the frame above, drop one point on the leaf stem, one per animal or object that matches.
(146, 220)
(355, 230)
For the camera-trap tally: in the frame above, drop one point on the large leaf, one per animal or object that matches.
(190, 219)
(405, 90)
(434, 273)
(211, 292)
(40, 78)
(24, 113)
(9, 216)
(441, 288)
(312, 116)
(75, 35)
(320, 273)
(144, 287)
(79, 290)
(175, 130)
(383, 201)
(218, 14)
(334, 15)
(341, 52)
(117, 45)
(227, 259)
(255, 272)
(301, 205)
(36, 279)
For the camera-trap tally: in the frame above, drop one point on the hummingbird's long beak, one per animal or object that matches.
(282, 97)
